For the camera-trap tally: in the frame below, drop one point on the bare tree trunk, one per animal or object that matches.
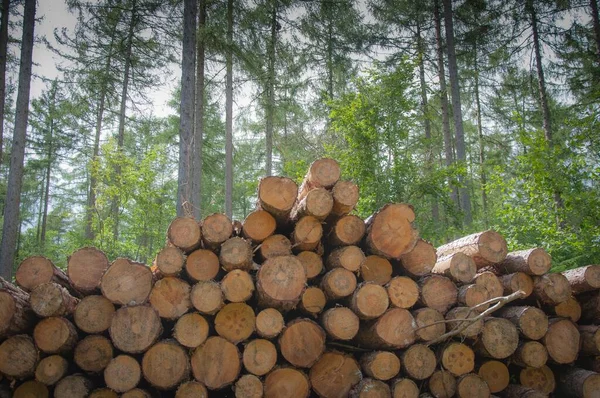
(229, 115)
(40, 211)
(10, 229)
(270, 111)
(199, 112)
(596, 23)
(3, 53)
(465, 199)
(48, 166)
(480, 134)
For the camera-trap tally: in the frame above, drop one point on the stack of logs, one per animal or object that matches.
(303, 299)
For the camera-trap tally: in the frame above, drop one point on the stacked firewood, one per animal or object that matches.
(303, 299)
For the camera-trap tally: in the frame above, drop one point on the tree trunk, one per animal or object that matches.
(199, 113)
(483, 175)
(3, 59)
(270, 111)
(10, 228)
(465, 200)
(50, 143)
(596, 23)
(229, 114)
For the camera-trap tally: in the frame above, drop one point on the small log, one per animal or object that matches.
(390, 231)
(236, 253)
(202, 265)
(562, 341)
(438, 292)
(462, 315)
(428, 316)
(322, 173)
(135, 329)
(459, 267)
(216, 229)
(348, 257)
(235, 322)
(85, 268)
(369, 301)
(590, 339)
(169, 261)
(590, 308)
(247, 386)
(312, 263)
(55, 335)
(517, 281)
(473, 295)
(136, 393)
(567, 309)
(313, 301)
(394, 329)
(237, 286)
(340, 323)
(184, 233)
(519, 391)
(277, 195)
(495, 374)
(472, 386)
(317, 203)
(269, 323)
(93, 353)
(404, 388)
(280, 283)
(347, 230)
(286, 383)
(103, 393)
(402, 291)
(551, 289)
(191, 330)
(338, 283)
(579, 383)
(18, 357)
(541, 379)
(170, 296)
(499, 338)
(485, 248)
(207, 297)
(345, 197)
(302, 342)
(530, 354)
(533, 262)
(16, 315)
(307, 234)
(491, 282)
(123, 373)
(376, 269)
(191, 389)
(371, 388)
(334, 375)
(419, 362)
(420, 260)
(275, 246)
(259, 356)
(216, 363)
(31, 389)
(126, 282)
(583, 279)
(442, 384)
(258, 226)
(94, 314)
(165, 365)
(531, 322)
(458, 358)
(73, 386)
(37, 270)
(380, 365)
(51, 369)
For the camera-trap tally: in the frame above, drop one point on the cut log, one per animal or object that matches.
(312, 301)
(499, 338)
(16, 315)
(485, 248)
(85, 268)
(442, 384)
(248, 386)
(170, 296)
(402, 291)
(191, 330)
(94, 314)
(534, 262)
(216, 229)
(531, 354)
(235, 322)
(334, 375)
(216, 363)
(286, 383)
(429, 316)
(165, 365)
(438, 292)
(461, 315)
(302, 342)
(55, 335)
(590, 308)
(280, 283)
(458, 358)
(517, 281)
(307, 234)
(495, 374)
(459, 267)
(590, 339)
(420, 260)
(491, 282)
(258, 226)
(347, 231)
(473, 295)
(73, 386)
(184, 233)
(376, 269)
(369, 301)
(191, 389)
(340, 323)
(259, 356)
(122, 373)
(103, 393)
(18, 357)
(472, 386)
(380, 365)
(277, 195)
(127, 282)
(135, 329)
(51, 369)
(530, 321)
(541, 379)
(275, 246)
(93, 353)
(202, 265)
(583, 279)
(37, 270)
(579, 383)
(136, 393)
(338, 283)
(207, 297)
(237, 286)
(31, 389)
(169, 261)
(312, 263)
(236, 253)
(345, 197)
(269, 323)
(394, 329)
(317, 203)
(371, 388)
(322, 173)
(390, 231)
(567, 309)
(404, 388)
(348, 257)
(562, 341)
(551, 289)
(419, 362)
(519, 391)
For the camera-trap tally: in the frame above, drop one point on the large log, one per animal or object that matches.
(457, 266)
(258, 226)
(534, 262)
(202, 265)
(420, 260)
(402, 291)
(18, 356)
(438, 292)
(93, 353)
(551, 289)
(236, 253)
(165, 365)
(207, 297)
(376, 269)
(486, 248)
(259, 356)
(495, 374)
(380, 365)
(191, 330)
(94, 314)
(530, 321)
(579, 383)
(122, 373)
(216, 229)
(346, 231)
(269, 323)
(345, 197)
(322, 173)
(16, 315)
(302, 342)
(135, 329)
(277, 195)
(170, 296)
(286, 383)
(334, 375)
(73, 386)
(419, 362)
(340, 323)
(36, 270)
(317, 203)
(85, 268)
(390, 231)
(216, 363)
(51, 369)
(55, 335)
(307, 234)
(562, 341)
(184, 233)
(583, 279)
(394, 329)
(235, 322)
(499, 338)
(280, 283)
(127, 282)
(237, 286)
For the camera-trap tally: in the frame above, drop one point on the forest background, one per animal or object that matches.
(480, 113)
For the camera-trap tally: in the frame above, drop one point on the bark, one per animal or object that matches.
(3, 59)
(199, 112)
(270, 109)
(229, 114)
(10, 228)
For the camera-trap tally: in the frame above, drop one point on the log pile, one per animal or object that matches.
(304, 299)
